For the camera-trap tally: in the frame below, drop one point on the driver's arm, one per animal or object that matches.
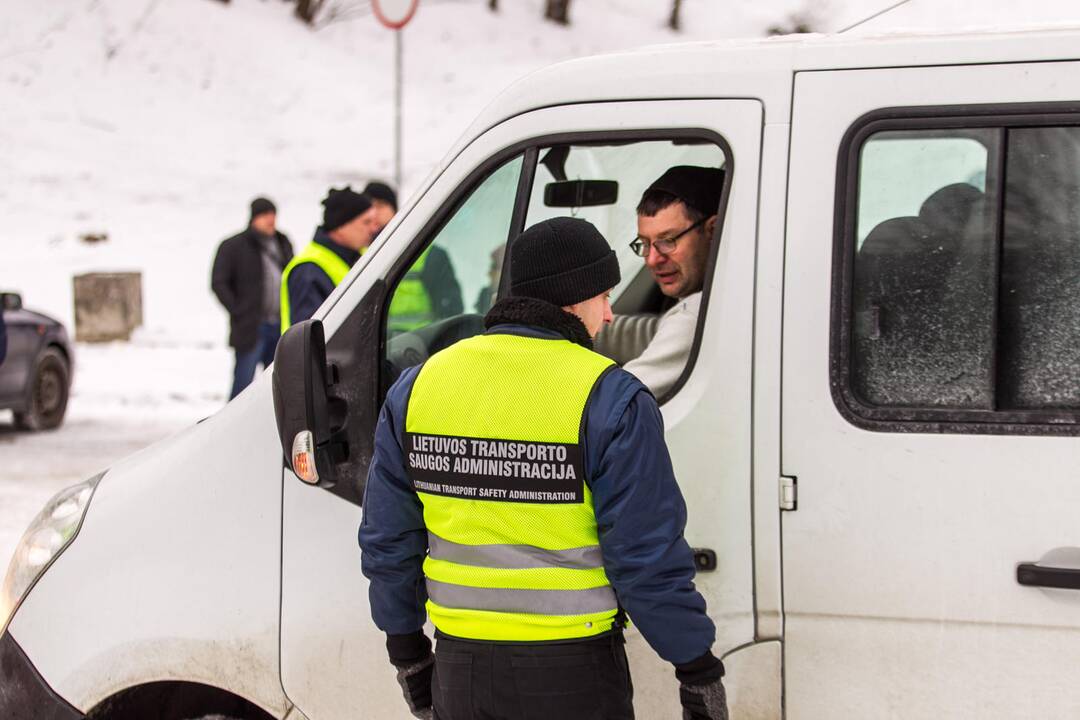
(664, 359)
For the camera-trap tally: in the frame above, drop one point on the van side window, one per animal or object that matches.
(923, 289)
(1039, 316)
(452, 283)
(443, 295)
(964, 300)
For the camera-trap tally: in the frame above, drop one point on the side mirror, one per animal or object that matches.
(581, 193)
(309, 419)
(11, 301)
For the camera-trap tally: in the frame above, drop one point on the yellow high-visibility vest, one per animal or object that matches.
(493, 447)
(411, 307)
(327, 260)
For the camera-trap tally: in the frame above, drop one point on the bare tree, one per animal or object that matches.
(795, 24)
(307, 10)
(557, 11)
(673, 21)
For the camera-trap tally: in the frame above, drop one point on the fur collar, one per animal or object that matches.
(530, 311)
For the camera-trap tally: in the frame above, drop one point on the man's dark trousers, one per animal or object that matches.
(262, 353)
(577, 680)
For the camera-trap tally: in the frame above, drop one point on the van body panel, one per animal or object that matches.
(175, 573)
(759, 68)
(753, 681)
(900, 588)
(768, 319)
(713, 409)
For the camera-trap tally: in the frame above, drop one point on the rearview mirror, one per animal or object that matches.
(309, 420)
(11, 301)
(581, 193)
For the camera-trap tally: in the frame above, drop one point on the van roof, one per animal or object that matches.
(763, 68)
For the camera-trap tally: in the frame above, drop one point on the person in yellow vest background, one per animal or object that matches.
(521, 497)
(349, 224)
(429, 291)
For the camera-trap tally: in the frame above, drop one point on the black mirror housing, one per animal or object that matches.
(303, 407)
(581, 193)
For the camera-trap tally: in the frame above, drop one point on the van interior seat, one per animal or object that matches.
(627, 336)
(919, 282)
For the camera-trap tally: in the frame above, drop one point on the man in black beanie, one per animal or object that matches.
(347, 229)
(521, 497)
(676, 223)
(246, 278)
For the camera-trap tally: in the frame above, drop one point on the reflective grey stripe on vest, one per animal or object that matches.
(535, 602)
(514, 557)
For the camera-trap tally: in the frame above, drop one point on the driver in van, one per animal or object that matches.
(676, 219)
(521, 497)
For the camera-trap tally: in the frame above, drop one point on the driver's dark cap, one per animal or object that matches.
(563, 261)
(697, 187)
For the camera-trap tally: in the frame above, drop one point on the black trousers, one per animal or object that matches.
(578, 680)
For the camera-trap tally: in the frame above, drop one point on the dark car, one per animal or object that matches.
(35, 374)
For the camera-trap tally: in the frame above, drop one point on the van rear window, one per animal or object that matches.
(960, 274)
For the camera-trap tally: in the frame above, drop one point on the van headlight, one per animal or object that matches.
(51, 531)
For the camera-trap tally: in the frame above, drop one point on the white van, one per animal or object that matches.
(875, 430)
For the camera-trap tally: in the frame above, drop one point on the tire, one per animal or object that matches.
(49, 389)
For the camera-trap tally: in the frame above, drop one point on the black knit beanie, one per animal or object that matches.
(698, 187)
(343, 205)
(381, 191)
(563, 261)
(261, 206)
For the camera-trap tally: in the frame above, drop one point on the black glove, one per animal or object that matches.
(701, 688)
(415, 663)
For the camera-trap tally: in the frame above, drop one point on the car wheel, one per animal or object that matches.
(48, 393)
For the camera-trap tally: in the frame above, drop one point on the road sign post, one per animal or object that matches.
(395, 15)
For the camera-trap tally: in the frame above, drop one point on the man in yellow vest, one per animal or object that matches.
(349, 224)
(522, 498)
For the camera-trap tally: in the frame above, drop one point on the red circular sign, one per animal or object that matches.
(394, 14)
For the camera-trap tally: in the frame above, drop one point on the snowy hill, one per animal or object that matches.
(156, 121)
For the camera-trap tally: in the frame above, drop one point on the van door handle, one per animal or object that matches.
(1042, 576)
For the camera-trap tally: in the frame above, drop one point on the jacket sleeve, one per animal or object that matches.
(441, 284)
(308, 288)
(286, 249)
(663, 361)
(221, 277)
(641, 516)
(393, 539)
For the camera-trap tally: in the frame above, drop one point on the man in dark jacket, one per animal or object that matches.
(522, 498)
(246, 279)
(347, 230)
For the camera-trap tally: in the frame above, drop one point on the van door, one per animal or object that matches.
(931, 400)
(333, 661)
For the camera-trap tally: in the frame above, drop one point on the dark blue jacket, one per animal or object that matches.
(640, 515)
(309, 286)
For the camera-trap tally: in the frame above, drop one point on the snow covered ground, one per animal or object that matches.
(156, 121)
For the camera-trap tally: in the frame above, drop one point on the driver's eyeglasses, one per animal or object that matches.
(641, 246)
